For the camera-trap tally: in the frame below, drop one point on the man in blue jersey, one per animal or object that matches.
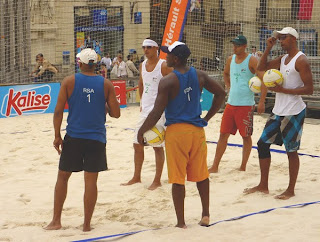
(238, 114)
(186, 149)
(90, 98)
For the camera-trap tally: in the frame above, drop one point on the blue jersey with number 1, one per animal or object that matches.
(87, 114)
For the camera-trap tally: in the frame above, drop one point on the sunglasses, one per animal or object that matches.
(146, 47)
(282, 37)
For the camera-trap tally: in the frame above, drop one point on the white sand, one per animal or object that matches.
(28, 173)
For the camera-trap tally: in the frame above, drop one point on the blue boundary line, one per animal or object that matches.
(299, 205)
(272, 150)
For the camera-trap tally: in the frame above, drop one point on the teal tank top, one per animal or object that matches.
(240, 74)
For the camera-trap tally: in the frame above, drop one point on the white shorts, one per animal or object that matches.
(161, 122)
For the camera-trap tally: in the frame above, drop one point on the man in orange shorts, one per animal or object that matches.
(179, 95)
(238, 114)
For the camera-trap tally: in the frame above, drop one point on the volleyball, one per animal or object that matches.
(255, 84)
(271, 77)
(154, 136)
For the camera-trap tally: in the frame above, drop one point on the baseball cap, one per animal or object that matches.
(289, 30)
(87, 55)
(178, 49)
(239, 40)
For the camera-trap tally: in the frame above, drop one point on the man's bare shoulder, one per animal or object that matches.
(165, 69)
(68, 80)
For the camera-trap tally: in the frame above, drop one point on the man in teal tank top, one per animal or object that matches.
(238, 114)
(179, 95)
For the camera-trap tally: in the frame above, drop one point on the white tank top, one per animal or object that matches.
(288, 104)
(150, 87)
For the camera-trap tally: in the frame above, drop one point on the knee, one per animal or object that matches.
(138, 148)
(263, 150)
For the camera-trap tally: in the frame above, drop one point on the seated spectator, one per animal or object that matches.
(131, 68)
(44, 70)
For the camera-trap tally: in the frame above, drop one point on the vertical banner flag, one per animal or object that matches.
(175, 23)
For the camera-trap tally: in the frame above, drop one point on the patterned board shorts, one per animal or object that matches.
(285, 130)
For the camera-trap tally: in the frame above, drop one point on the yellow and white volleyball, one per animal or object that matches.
(154, 136)
(255, 84)
(271, 77)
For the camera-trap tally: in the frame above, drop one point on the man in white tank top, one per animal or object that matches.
(285, 123)
(151, 71)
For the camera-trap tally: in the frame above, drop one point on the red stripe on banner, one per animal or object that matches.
(305, 10)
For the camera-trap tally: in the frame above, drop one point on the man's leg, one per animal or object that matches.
(221, 148)
(264, 178)
(159, 156)
(264, 161)
(246, 150)
(138, 161)
(89, 198)
(203, 188)
(60, 194)
(294, 164)
(178, 195)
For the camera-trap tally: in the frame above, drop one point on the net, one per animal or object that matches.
(60, 29)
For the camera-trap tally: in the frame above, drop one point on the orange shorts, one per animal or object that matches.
(237, 118)
(186, 151)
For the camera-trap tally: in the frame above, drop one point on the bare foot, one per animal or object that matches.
(285, 196)
(86, 228)
(182, 226)
(213, 169)
(204, 221)
(131, 182)
(255, 189)
(242, 168)
(53, 226)
(154, 186)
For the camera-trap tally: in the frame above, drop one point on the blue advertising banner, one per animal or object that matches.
(100, 16)
(28, 99)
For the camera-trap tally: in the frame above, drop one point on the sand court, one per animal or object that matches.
(28, 173)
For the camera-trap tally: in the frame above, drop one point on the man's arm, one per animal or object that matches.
(111, 99)
(264, 64)
(216, 89)
(303, 67)
(262, 98)
(58, 113)
(140, 84)
(253, 63)
(159, 107)
(226, 73)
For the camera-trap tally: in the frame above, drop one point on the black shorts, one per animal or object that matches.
(83, 154)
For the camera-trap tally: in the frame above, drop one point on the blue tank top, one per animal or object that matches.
(240, 74)
(87, 114)
(185, 107)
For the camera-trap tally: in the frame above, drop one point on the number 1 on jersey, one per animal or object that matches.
(88, 97)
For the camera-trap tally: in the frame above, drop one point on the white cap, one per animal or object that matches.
(87, 55)
(289, 30)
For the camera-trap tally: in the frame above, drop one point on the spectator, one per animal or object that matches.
(135, 59)
(103, 70)
(121, 67)
(43, 70)
(107, 62)
(131, 68)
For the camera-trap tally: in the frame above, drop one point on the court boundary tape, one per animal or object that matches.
(299, 205)
(272, 150)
